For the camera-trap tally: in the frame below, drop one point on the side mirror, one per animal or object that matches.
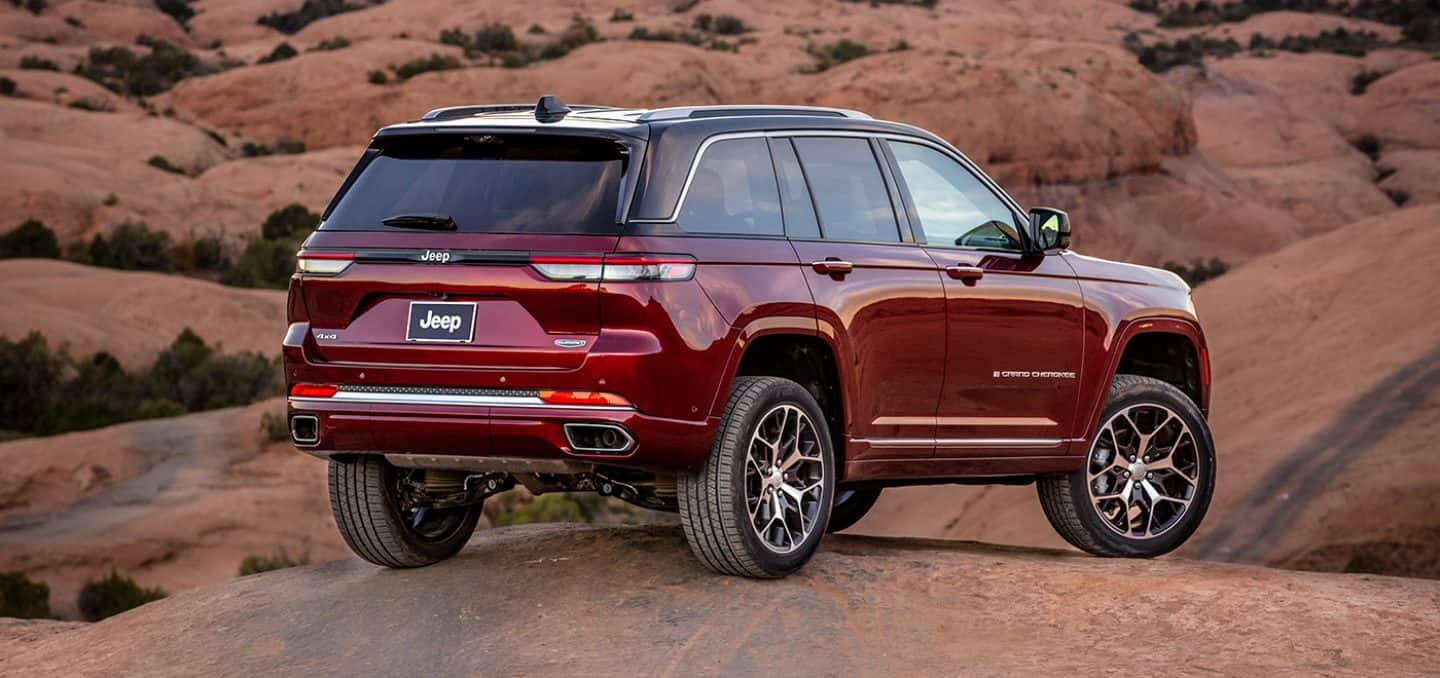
(1049, 228)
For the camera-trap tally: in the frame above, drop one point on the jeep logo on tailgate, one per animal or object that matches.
(441, 321)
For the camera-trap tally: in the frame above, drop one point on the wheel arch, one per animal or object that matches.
(1150, 346)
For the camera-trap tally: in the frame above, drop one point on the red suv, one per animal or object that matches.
(755, 316)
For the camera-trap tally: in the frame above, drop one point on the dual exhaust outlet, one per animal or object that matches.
(588, 438)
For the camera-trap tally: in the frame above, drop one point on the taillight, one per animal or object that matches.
(616, 267)
(590, 398)
(323, 263)
(313, 390)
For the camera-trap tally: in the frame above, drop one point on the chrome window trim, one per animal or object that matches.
(954, 153)
(394, 398)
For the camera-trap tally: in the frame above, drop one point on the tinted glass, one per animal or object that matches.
(849, 192)
(954, 206)
(733, 191)
(488, 183)
(795, 200)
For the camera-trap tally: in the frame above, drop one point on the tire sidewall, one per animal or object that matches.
(429, 549)
(1141, 392)
(783, 393)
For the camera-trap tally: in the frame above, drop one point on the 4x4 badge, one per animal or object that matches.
(569, 343)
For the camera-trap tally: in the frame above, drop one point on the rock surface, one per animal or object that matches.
(563, 600)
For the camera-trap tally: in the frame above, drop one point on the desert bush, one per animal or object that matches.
(311, 11)
(30, 239)
(22, 598)
(425, 64)
(555, 507)
(257, 564)
(179, 10)
(1361, 81)
(29, 376)
(1398, 196)
(206, 253)
(836, 53)
(92, 105)
(1338, 41)
(535, 29)
(1189, 51)
(263, 263)
(159, 162)
(200, 377)
(100, 393)
(666, 35)
(580, 32)
(281, 52)
(288, 222)
(620, 15)
(378, 78)
(337, 42)
(1369, 145)
(725, 24)
(8, 87)
(112, 595)
(159, 408)
(494, 38)
(275, 427)
(1198, 271)
(282, 146)
(35, 63)
(121, 70)
(132, 247)
(32, 6)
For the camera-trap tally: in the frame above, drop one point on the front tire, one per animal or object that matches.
(760, 504)
(1147, 479)
(377, 525)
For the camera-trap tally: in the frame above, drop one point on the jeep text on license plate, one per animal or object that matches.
(451, 321)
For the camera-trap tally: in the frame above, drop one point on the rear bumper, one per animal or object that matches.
(513, 431)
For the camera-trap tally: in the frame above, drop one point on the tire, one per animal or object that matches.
(366, 504)
(850, 506)
(1128, 527)
(716, 499)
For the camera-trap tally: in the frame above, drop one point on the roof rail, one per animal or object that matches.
(682, 112)
(457, 112)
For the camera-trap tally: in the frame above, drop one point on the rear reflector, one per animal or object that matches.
(587, 398)
(323, 263)
(313, 390)
(616, 267)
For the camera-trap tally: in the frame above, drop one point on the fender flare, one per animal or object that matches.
(1126, 331)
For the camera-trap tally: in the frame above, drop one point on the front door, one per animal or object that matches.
(1014, 326)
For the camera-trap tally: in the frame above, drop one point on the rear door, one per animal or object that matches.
(1015, 320)
(461, 250)
(876, 292)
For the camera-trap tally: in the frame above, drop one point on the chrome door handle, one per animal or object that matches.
(964, 273)
(832, 266)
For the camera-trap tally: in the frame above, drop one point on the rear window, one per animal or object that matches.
(488, 184)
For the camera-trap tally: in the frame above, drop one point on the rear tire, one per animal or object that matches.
(760, 504)
(850, 506)
(1147, 479)
(365, 499)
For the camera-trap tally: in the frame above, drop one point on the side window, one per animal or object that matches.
(795, 200)
(849, 191)
(733, 191)
(954, 206)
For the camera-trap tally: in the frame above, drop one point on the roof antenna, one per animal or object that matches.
(551, 109)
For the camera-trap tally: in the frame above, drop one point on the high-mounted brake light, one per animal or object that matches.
(323, 263)
(616, 267)
(590, 398)
(313, 390)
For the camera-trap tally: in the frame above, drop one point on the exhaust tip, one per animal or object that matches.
(305, 429)
(599, 438)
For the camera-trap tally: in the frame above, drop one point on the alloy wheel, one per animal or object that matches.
(1143, 471)
(784, 478)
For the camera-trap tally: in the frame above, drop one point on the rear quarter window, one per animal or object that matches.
(733, 191)
(488, 183)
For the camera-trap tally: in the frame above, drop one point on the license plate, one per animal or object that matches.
(448, 321)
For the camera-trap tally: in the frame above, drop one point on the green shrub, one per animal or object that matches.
(30, 239)
(535, 29)
(337, 42)
(263, 263)
(92, 105)
(8, 87)
(30, 379)
(555, 507)
(159, 162)
(620, 15)
(310, 11)
(1361, 81)
(275, 427)
(1188, 51)
(1369, 145)
(100, 393)
(282, 146)
(666, 35)
(1338, 41)
(725, 24)
(378, 78)
(290, 221)
(132, 247)
(112, 595)
(32, 6)
(22, 598)
(201, 254)
(123, 71)
(202, 378)
(495, 38)
(281, 52)
(425, 64)
(1198, 271)
(580, 32)
(159, 408)
(1398, 196)
(257, 564)
(836, 53)
(35, 63)
(179, 10)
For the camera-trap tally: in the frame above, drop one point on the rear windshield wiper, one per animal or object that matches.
(431, 222)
